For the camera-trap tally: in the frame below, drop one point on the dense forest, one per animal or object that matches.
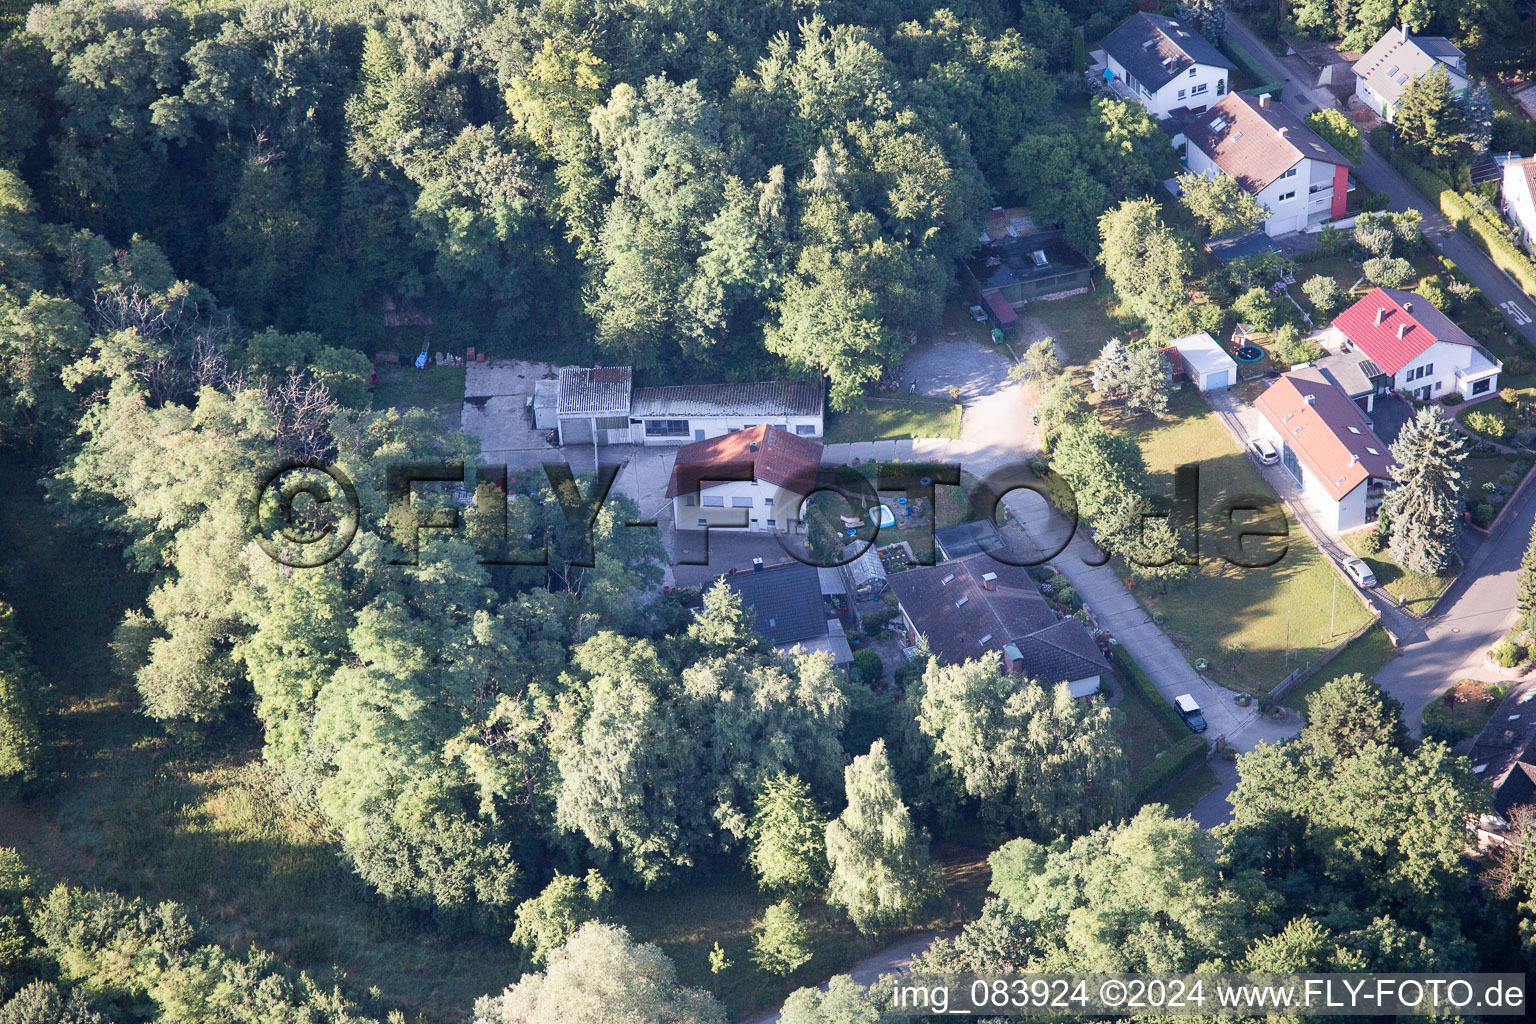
(211, 214)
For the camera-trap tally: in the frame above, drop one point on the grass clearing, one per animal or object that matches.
(1080, 324)
(896, 419)
(1253, 625)
(1413, 592)
(1366, 655)
(436, 387)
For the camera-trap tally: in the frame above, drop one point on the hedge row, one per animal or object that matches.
(1137, 678)
(1167, 766)
(1504, 253)
(1253, 67)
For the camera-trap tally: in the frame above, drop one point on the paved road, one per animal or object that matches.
(1477, 610)
(891, 960)
(1379, 175)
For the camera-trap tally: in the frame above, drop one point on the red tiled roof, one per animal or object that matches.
(770, 454)
(1329, 434)
(1245, 139)
(1425, 325)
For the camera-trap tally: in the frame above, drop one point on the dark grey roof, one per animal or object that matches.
(964, 539)
(594, 391)
(1351, 372)
(1059, 654)
(1008, 261)
(1236, 247)
(961, 619)
(1151, 64)
(767, 398)
(786, 602)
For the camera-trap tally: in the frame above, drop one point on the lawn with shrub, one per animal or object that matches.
(900, 419)
(1462, 711)
(1271, 619)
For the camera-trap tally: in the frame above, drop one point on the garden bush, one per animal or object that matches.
(1482, 514)
(1291, 348)
(1136, 677)
(1489, 424)
(875, 621)
(1167, 766)
(1454, 398)
(1388, 271)
(1434, 292)
(867, 667)
(1505, 654)
(1372, 542)
(1324, 293)
(1257, 308)
(1375, 202)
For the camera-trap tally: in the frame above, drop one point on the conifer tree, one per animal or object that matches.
(1525, 580)
(1424, 510)
(881, 874)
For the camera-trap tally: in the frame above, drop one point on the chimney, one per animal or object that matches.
(1402, 330)
(1381, 314)
(752, 446)
(1264, 99)
(1404, 31)
(989, 581)
(1309, 399)
(1407, 307)
(757, 565)
(1284, 131)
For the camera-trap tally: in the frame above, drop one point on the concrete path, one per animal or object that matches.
(1213, 809)
(1379, 175)
(895, 959)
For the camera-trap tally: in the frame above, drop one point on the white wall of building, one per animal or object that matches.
(757, 507)
(1200, 86)
(1434, 373)
(1519, 205)
(1290, 198)
(658, 430)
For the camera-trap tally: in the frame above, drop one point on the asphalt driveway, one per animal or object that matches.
(997, 409)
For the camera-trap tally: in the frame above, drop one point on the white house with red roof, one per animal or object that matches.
(1277, 159)
(1416, 348)
(1327, 443)
(752, 479)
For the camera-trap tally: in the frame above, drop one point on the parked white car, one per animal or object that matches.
(1360, 573)
(1264, 450)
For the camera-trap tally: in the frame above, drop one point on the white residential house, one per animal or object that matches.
(1277, 159)
(752, 480)
(1399, 59)
(599, 404)
(1328, 445)
(1519, 193)
(1164, 65)
(1416, 348)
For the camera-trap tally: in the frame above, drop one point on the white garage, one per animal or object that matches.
(1206, 362)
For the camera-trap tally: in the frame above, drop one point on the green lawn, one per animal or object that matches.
(1184, 792)
(1365, 655)
(895, 419)
(1340, 269)
(436, 387)
(1462, 711)
(1413, 592)
(1238, 619)
(1143, 736)
(1079, 324)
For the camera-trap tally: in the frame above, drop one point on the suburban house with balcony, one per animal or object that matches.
(599, 405)
(1518, 191)
(1415, 347)
(1399, 59)
(977, 607)
(747, 480)
(1327, 444)
(1163, 65)
(1278, 160)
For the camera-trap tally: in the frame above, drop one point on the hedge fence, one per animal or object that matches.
(1489, 235)
(1167, 766)
(1137, 678)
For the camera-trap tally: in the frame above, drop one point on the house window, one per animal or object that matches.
(688, 500)
(714, 501)
(1481, 387)
(703, 522)
(745, 502)
(1286, 196)
(773, 522)
(1201, 89)
(1439, 384)
(666, 428)
(805, 429)
(1181, 93)
(1221, 87)
(613, 423)
(1429, 368)
(768, 502)
(1192, 72)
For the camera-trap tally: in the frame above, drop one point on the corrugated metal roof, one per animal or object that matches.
(594, 391)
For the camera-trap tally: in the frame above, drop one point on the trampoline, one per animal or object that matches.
(1249, 353)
